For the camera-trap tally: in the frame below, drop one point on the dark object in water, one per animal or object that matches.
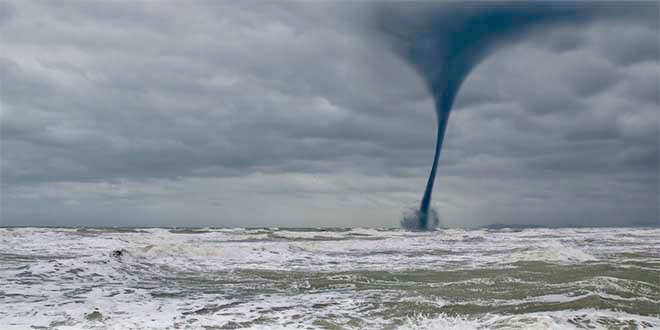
(96, 315)
(118, 253)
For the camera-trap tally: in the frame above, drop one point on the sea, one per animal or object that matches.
(343, 278)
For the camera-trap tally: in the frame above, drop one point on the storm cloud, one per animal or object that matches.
(163, 114)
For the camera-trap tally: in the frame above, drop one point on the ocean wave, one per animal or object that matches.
(553, 252)
(356, 278)
(560, 320)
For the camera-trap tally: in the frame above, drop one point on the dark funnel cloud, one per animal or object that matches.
(444, 43)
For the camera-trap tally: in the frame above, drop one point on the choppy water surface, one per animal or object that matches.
(606, 278)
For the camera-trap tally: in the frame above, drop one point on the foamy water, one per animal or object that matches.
(59, 278)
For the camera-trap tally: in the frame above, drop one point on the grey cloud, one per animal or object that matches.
(645, 85)
(7, 11)
(591, 77)
(560, 39)
(205, 107)
(636, 44)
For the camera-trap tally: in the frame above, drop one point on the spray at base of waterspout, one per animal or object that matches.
(416, 220)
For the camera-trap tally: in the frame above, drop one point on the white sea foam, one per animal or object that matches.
(55, 278)
(577, 319)
(553, 251)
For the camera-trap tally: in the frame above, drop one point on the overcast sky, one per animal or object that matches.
(226, 113)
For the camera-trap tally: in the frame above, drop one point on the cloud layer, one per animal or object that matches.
(158, 114)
